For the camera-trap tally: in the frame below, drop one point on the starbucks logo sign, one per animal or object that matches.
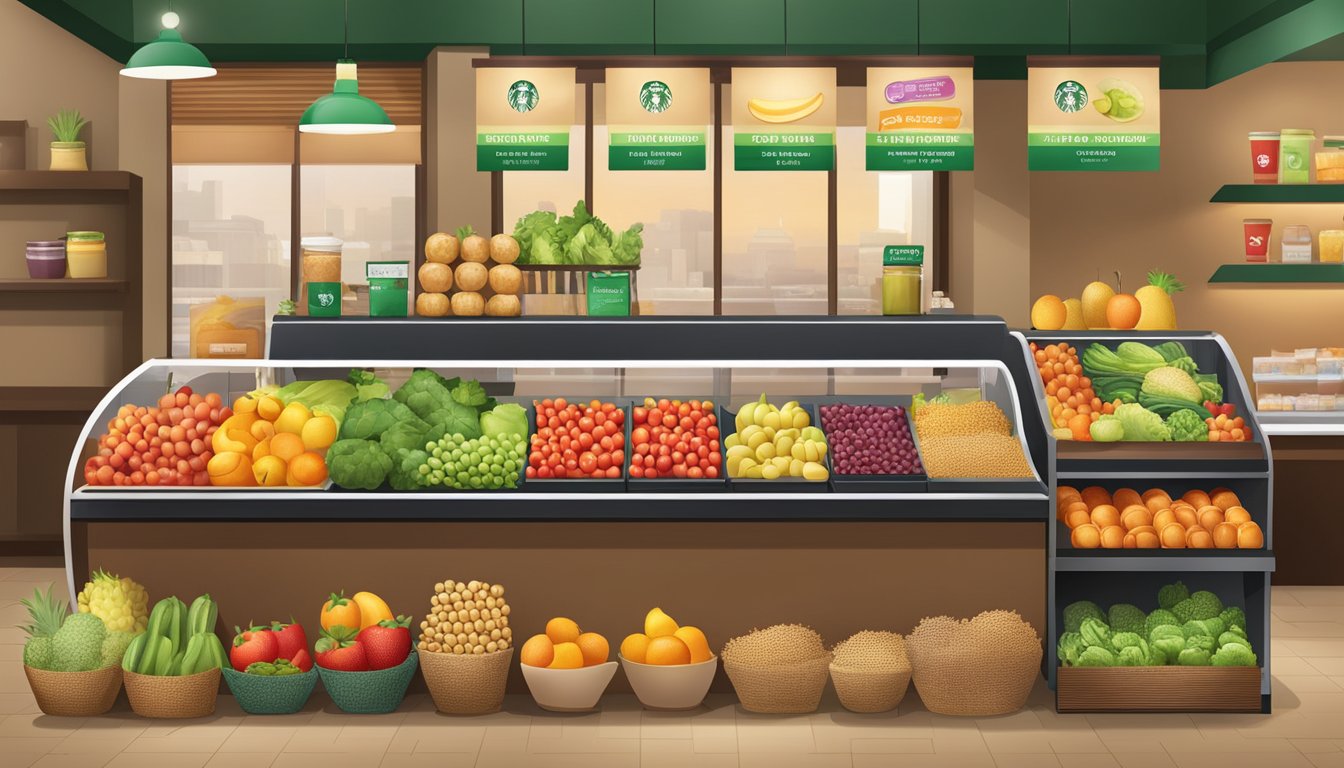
(655, 96)
(1070, 96)
(523, 96)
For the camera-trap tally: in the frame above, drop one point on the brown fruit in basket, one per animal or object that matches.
(1172, 536)
(1105, 515)
(1148, 540)
(1237, 515)
(1112, 537)
(502, 305)
(435, 277)
(1197, 499)
(471, 276)
(1198, 538)
(431, 305)
(1077, 517)
(441, 247)
(1123, 497)
(1086, 536)
(1249, 536)
(1225, 536)
(468, 303)
(1135, 516)
(1224, 499)
(1210, 517)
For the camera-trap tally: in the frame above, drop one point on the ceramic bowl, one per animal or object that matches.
(568, 690)
(673, 686)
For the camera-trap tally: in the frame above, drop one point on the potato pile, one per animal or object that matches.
(466, 618)
(968, 440)
(871, 651)
(774, 646)
(483, 262)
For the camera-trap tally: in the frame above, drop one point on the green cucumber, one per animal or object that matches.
(192, 655)
(217, 656)
(163, 659)
(133, 653)
(146, 663)
(156, 627)
(175, 668)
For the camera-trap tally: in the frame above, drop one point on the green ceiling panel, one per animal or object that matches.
(584, 27)
(1315, 22)
(112, 15)
(1236, 17)
(743, 27)
(994, 27)
(1137, 26)
(853, 27)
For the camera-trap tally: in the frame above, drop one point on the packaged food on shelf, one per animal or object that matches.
(1296, 244)
(1265, 157)
(321, 290)
(46, 259)
(1295, 155)
(86, 254)
(1098, 519)
(228, 328)
(388, 287)
(955, 679)
(1330, 162)
(1255, 236)
(1332, 243)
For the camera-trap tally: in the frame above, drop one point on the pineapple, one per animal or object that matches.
(1157, 311)
(122, 604)
(47, 614)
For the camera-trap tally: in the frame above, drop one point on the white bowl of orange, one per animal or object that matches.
(566, 669)
(669, 667)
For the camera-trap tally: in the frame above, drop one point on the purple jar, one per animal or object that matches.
(46, 259)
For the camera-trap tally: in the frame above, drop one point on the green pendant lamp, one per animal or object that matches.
(169, 57)
(343, 111)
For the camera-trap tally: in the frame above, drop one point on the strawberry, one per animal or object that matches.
(291, 638)
(302, 660)
(252, 645)
(387, 643)
(339, 650)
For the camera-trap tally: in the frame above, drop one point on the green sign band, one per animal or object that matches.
(920, 139)
(656, 158)
(783, 158)
(1084, 139)
(1093, 158)
(515, 157)
(657, 138)
(903, 255)
(906, 158)
(788, 140)
(528, 138)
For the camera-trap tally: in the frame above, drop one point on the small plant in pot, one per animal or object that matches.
(67, 151)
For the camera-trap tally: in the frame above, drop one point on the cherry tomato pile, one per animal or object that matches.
(575, 441)
(672, 438)
(167, 444)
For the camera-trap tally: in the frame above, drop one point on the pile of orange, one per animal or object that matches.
(664, 643)
(1128, 520)
(1073, 403)
(564, 646)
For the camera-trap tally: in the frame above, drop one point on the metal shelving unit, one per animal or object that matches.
(1176, 467)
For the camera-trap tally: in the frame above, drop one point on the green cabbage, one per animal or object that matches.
(504, 419)
(1096, 656)
(1069, 648)
(1158, 618)
(1194, 657)
(1234, 655)
(1233, 616)
(1208, 627)
(1187, 427)
(1095, 632)
(1141, 424)
(1167, 639)
(357, 464)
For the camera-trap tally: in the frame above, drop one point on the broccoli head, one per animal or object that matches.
(1234, 655)
(1172, 594)
(1233, 616)
(1158, 618)
(1074, 613)
(1126, 618)
(1200, 605)
(1194, 657)
(1187, 427)
(1070, 647)
(354, 463)
(1095, 632)
(1096, 656)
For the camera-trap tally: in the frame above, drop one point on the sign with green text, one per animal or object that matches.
(783, 118)
(657, 119)
(920, 119)
(523, 117)
(1092, 118)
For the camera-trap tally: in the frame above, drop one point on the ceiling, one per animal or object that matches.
(1201, 42)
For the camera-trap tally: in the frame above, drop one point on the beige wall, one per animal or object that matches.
(458, 194)
(1090, 223)
(143, 115)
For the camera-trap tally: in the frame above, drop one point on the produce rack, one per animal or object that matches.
(1135, 575)
(831, 559)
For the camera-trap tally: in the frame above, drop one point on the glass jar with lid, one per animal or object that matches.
(903, 280)
(1295, 155)
(1330, 161)
(86, 254)
(320, 267)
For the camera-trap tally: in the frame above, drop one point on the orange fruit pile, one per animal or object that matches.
(1152, 520)
(664, 643)
(564, 646)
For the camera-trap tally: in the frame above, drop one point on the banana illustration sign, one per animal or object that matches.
(657, 119)
(1084, 116)
(523, 117)
(921, 118)
(783, 118)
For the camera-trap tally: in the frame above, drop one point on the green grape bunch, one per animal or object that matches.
(484, 463)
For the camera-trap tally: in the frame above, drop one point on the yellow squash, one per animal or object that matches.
(1157, 312)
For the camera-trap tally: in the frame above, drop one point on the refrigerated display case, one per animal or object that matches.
(1240, 577)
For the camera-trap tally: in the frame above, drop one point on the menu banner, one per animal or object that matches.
(657, 119)
(523, 115)
(920, 119)
(783, 118)
(1092, 118)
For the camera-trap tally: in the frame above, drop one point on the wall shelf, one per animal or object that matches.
(1279, 273)
(62, 285)
(67, 181)
(1279, 193)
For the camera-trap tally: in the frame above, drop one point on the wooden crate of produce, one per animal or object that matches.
(1158, 689)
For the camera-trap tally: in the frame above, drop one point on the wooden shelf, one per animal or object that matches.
(62, 285)
(1279, 274)
(50, 399)
(1279, 193)
(66, 181)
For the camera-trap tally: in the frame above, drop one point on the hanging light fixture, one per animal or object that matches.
(344, 111)
(168, 57)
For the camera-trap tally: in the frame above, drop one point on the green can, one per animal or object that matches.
(324, 299)
(609, 294)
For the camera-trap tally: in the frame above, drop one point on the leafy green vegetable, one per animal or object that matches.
(404, 434)
(1201, 642)
(1172, 383)
(370, 419)
(1233, 635)
(1187, 427)
(1167, 639)
(471, 393)
(1158, 618)
(1209, 387)
(1070, 647)
(357, 464)
(1107, 429)
(405, 473)
(1233, 616)
(504, 419)
(367, 385)
(1172, 594)
(579, 238)
(1234, 655)
(1193, 657)
(1075, 613)
(1125, 618)
(1141, 424)
(1139, 354)
(424, 392)
(1205, 627)
(1200, 605)
(1096, 656)
(1176, 355)
(1095, 632)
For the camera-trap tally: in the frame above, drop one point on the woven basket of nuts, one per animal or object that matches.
(465, 647)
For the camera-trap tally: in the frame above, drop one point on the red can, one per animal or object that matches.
(1265, 157)
(1257, 238)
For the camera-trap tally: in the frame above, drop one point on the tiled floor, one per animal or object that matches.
(1306, 729)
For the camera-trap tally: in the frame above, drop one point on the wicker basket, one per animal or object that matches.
(370, 693)
(262, 695)
(173, 696)
(75, 694)
(867, 692)
(463, 684)
(966, 674)
(786, 689)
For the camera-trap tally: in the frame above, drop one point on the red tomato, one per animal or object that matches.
(712, 432)
(604, 461)
(587, 462)
(642, 449)
(585, 440)
(618, 440)
(571, 466)
(712, 471)
(678, 470)
(586, 424)
(655, 417)
(639, 435)
(530, 472)
(702, 451)
(616, 415)
(664, 450)
(560, 403)
(607, 443)
(613, 472)
(636, 471)
(669, 420)
(695, 473)
(599, 417)
(650, 461)
(714, 460)
(618, 457)
(650, 474)
(678, 457)
(535, 460)
(663, 464)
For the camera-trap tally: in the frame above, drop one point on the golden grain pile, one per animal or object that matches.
(991, 634)
(870, 651)
(774, 646)
(969, 440)
(466, 618)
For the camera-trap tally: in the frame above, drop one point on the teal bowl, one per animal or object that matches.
(370, 693)
(258, 695)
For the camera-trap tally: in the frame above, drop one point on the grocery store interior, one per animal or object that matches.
(615, 382)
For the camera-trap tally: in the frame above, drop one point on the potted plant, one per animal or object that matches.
(67, 151)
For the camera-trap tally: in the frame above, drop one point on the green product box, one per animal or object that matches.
(389, 283)
(324, 299)
(608, 294)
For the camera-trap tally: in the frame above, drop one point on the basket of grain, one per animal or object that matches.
(969, 440)
(778, 670)
(466, 646)
(173, 696)
(983, 666)
(74, 694)
(871, 671)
